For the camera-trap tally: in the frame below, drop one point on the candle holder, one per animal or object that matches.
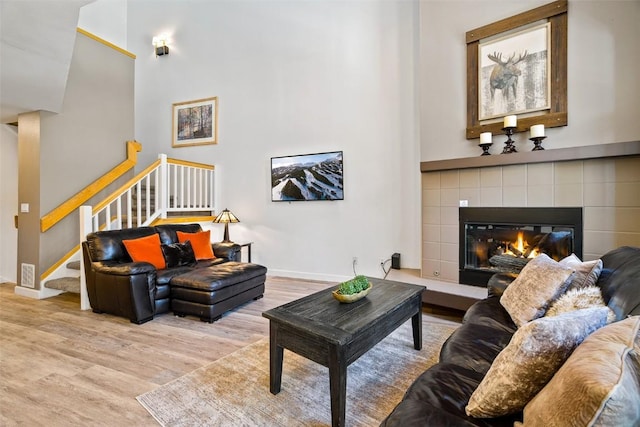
(509, 146)
(537, 141)
(485, 148)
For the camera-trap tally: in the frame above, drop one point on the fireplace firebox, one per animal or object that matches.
(503, 240)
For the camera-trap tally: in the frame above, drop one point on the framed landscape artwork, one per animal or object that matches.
(195, 122)
(302, 177)
(518, 66)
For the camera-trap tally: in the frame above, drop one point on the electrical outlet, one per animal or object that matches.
(382, 262)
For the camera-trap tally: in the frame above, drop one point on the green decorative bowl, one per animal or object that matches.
(347, 299)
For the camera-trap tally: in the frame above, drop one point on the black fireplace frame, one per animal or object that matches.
(544, 216)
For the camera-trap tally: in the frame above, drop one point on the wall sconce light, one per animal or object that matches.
(160, 45)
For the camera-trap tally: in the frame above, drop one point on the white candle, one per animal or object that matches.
(510, 121)
(537, 131)
(485, 138)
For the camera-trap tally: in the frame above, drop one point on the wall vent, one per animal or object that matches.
(27, 278)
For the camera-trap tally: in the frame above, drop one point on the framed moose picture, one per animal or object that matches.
(518, 66)
(513, 73)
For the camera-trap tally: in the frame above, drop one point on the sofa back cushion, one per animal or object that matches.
(168, 235)
(620, 280)
(107, 245)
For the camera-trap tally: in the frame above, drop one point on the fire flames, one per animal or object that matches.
(520, 248)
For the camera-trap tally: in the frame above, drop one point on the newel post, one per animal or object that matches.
(163, 191)
(86, 227)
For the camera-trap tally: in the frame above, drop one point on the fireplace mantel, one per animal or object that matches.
(620, 149)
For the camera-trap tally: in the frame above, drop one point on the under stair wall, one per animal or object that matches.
(61, 153)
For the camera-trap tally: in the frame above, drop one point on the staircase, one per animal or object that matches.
(67, 284)
(167, 191)
(179, 215)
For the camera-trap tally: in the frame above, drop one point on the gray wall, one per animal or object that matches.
(603, 62)
(65, 152)
(88, 138)
(29, 139)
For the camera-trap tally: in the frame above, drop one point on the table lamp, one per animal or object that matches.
(226, 216)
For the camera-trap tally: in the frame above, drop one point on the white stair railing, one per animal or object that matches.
(166, 186)
(189, 188)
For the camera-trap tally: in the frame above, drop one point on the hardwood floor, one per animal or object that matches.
(60, 366)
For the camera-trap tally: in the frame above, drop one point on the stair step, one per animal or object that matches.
(67, 284)
(73, 265)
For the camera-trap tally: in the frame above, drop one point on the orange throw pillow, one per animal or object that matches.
(200, 242)
(146, 249)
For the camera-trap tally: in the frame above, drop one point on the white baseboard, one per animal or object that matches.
(308, 276)
(36, 293)
(403, 275)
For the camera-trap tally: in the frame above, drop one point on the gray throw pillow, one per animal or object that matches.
(536, 351)
(587, 273)
(599, 385)
(539, 283)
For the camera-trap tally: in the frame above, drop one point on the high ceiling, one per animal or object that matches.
(36, 44)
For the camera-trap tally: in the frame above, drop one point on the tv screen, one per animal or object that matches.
(307, 177)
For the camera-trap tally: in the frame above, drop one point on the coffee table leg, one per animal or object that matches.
(416, 323)
(275, 360)
(338, 386)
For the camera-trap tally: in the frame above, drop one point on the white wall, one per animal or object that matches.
(106, 19)
(9, 205)
(603, 62)
(294, 78)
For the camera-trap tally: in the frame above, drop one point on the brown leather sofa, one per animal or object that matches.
(438, 397)
(138, 291)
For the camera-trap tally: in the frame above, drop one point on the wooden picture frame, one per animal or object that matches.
(555, 14)
(195, 122)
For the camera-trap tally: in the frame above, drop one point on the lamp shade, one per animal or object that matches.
(226, 216)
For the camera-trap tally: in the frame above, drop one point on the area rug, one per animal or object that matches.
(234, 390)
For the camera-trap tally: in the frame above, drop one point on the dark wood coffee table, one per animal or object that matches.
(335, 335)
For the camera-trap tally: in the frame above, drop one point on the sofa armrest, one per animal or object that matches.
(124, 269)
(125, 290)
(499, 282)
(230, 251)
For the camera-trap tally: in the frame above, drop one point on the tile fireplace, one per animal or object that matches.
(504, 239)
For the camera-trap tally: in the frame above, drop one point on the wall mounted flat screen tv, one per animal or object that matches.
(307, 177)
